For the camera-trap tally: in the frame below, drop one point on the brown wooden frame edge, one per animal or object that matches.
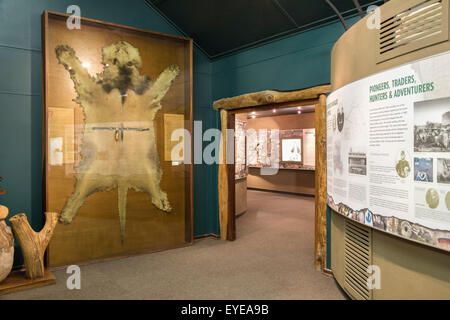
(44, 29)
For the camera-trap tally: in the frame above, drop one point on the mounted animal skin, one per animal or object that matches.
(119, 107)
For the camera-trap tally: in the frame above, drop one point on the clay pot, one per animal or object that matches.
(6, 245)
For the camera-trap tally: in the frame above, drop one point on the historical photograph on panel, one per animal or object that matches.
(357, 162)
(291, 150)
(309, 147)
(294, 148)
(402, 166)
(447, 201)
(113, 87)
(258, 148)
(240, 148)
(340, 119)
(432, 126)
(443, 170)
(338, 163)
(432, 198)
(423, 169)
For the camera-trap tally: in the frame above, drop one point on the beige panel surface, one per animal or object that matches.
(287, 180)
(172, 122)
(409, 270)
(354, 55)
(61, 135)
(286, 122)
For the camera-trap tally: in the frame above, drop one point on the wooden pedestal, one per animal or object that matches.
(17, 281)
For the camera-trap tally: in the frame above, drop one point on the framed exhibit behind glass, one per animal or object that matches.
(112, 96)
(291, 150)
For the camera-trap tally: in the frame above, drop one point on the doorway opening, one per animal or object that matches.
(281, 138)
(302, 165)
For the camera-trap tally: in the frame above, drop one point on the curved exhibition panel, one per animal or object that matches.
(388, 149)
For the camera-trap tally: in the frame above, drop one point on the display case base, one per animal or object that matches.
(17, 281)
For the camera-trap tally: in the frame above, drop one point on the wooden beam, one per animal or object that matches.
(320, 243)
(223, 178)
(227, 204)
(288, 104)
(269, 97)
(231, 224)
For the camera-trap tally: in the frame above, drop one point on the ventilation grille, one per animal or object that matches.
(358, 257)
(413, 28)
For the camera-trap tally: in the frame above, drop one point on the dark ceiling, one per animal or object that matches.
(220, 27)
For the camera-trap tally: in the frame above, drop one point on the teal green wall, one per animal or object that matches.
(20, 101)
(299, 61)
(206, 207)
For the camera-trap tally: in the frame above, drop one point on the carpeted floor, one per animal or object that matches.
(272, 259)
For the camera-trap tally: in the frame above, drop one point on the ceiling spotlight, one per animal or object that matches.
(253, 116)
(253, 113)
(274, 110)
(86, 65)
(299, 112)
(299, 108)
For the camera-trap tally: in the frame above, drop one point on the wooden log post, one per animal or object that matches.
(33, 243)
(223, 179)
(321, 185)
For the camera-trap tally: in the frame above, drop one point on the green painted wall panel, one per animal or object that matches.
(21, 71)
(299, 61)
(21, 19)
(303, 69)
(205, 177)
(202, 90)
(20, 156)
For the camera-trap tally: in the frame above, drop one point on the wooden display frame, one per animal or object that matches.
(188, 168)
(301, 145)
